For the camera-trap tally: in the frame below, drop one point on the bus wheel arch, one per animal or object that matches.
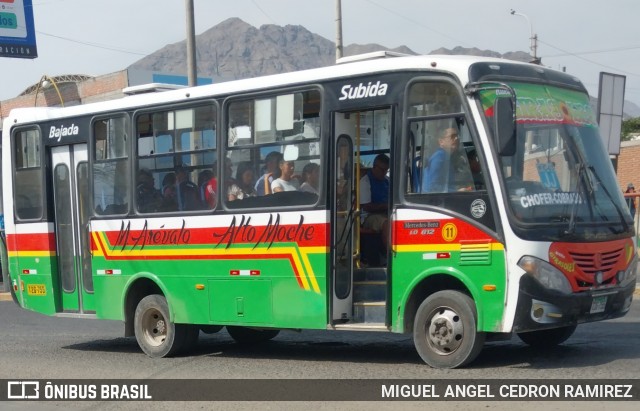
(137, 290)
(421, 291)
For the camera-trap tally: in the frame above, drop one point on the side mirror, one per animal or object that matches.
(505, 126)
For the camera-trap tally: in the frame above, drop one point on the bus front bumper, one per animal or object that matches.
(540, 308)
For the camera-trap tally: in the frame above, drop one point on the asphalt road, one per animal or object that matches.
(35, 346)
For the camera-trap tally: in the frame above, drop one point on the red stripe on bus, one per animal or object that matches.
(31, 242)
(307, 235)
(423, 232)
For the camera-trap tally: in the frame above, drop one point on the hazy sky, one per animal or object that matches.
(98, 37)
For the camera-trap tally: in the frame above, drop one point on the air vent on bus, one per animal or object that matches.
(150, 88)
(370, 56)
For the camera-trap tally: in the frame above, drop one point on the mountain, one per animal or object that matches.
(512, 55)
(235, 49)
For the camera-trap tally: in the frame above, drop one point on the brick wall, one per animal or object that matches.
(629, 164)
(106, 87)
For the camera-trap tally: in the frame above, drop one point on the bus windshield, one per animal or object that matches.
(559, 180)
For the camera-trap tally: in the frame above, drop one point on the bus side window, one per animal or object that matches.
(265, 135)
(28, 175)
(111, 179)
(178, 147)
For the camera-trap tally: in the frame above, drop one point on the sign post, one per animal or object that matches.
(17, 32)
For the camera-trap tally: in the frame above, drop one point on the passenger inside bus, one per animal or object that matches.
(187, 192)
(149, 200)
(439, 172)
(271, 166)
(203, 179)
(211, 186)
(447, 169)
(310, 178)
(374, 201)
(244, 184)
(170, 201)
(286, 180)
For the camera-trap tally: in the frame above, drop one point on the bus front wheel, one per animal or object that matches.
(445, 331)
(157, 336)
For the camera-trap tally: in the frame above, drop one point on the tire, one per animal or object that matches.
(548, 338)
(211, 329)
(445, 330)
(157, 336)
(244, 335)
(192, 334)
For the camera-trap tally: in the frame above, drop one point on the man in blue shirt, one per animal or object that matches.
(439, 174)
(374, 197)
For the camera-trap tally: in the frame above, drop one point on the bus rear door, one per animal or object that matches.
(71, 206)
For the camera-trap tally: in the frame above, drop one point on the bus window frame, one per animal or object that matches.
(91, 147)
(174, 107)
(409, 199)
(44, 188)
(407, 196)
(227, 101)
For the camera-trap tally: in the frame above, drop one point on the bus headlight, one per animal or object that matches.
(630, 274)
(546, 274)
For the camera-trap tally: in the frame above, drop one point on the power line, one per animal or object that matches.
(589, 61)
(96, 45)
(419, 23)
(255, 3)
(596, 51)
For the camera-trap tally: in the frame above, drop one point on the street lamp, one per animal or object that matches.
(44, 83)
(532, 37)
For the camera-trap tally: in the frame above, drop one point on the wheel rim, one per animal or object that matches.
(154, 327)
(445, 331)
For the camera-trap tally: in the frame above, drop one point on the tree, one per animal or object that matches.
(629, 127)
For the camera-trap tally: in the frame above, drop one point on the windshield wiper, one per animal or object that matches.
(608, 193)
(589, 190)
(574, 204)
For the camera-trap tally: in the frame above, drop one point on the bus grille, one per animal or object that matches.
(591, 263)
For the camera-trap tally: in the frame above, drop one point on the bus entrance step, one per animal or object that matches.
(369, 312)
(370, 290)
(370, 274)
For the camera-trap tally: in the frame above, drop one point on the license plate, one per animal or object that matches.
(36, 289)
(598, 304)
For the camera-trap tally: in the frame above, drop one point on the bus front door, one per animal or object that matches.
(71, 198)
(344, 216)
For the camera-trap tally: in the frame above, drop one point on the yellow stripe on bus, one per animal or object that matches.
(414, 248)
(300, 260)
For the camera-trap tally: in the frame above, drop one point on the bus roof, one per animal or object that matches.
(457, 65)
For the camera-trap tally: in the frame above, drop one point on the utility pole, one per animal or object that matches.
(533, 37)
(192, 71)
(338, 29)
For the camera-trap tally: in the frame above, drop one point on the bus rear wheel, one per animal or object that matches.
(157, 336)
(245, 335)
(211, 329)
(445, 330)
(548, 338)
